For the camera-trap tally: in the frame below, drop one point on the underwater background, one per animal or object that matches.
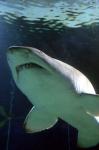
(64, 29)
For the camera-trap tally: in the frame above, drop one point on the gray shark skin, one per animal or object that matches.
(57, 90)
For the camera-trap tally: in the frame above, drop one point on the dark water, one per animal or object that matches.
(76, 46)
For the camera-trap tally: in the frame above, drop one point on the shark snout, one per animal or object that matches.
(12, 49)
(18, 50)
(17, 55)
(20, 56)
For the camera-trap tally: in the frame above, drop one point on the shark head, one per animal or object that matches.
(22, 59)
(33, 70)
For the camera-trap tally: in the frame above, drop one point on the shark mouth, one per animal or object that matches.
(28, 66)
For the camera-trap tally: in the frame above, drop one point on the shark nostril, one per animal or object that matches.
(13, 49)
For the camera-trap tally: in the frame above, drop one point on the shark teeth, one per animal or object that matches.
(27, 66)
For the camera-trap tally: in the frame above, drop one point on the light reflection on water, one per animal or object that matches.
(71, 13)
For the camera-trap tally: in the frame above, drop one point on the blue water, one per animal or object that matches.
(67, 31)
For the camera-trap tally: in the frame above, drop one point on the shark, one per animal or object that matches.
(56, 90)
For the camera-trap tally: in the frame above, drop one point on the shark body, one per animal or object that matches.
(57, 90)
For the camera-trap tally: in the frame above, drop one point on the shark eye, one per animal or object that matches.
(27, 66)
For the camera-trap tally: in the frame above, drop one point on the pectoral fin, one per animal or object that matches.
(90, 103)
(86, 140)
(37, 121)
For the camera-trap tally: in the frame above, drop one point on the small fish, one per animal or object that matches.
(57, 90)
